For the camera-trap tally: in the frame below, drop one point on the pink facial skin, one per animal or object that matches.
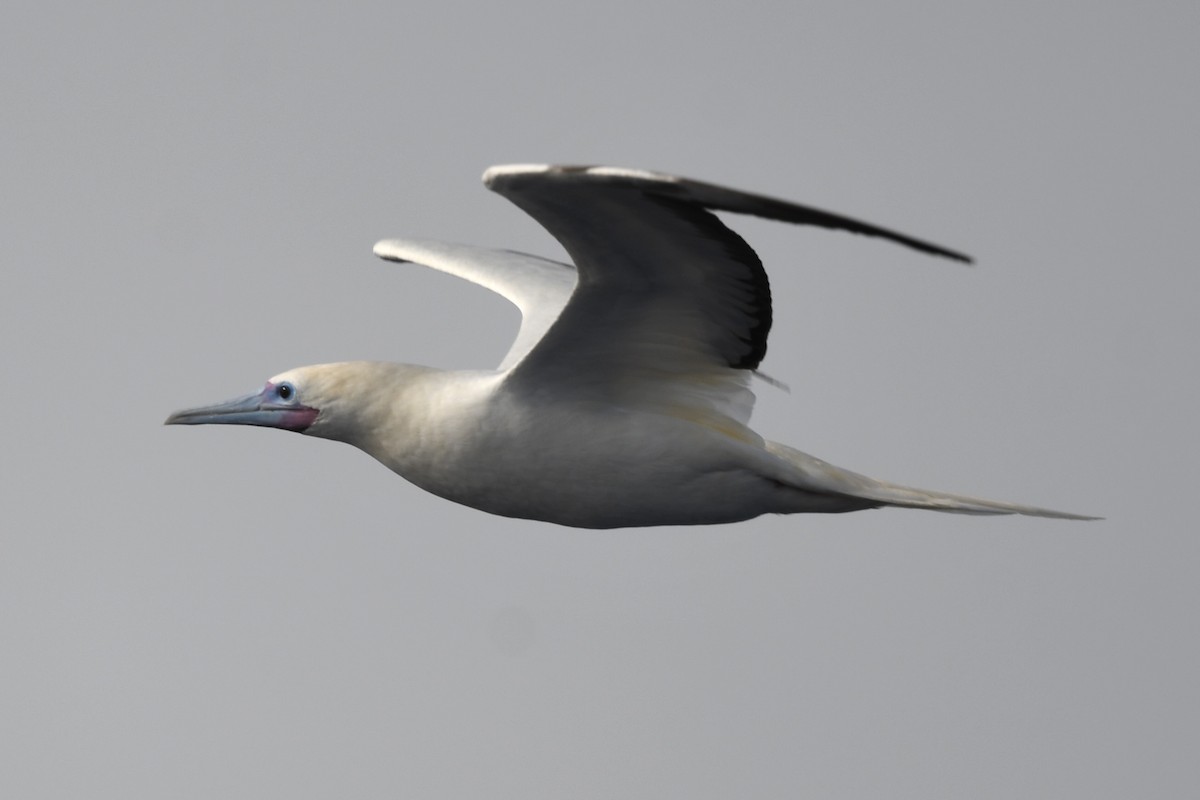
(295, 418)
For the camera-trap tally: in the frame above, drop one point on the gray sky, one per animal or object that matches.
(190, 195)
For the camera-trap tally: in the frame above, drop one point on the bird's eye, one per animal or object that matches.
(285, 391)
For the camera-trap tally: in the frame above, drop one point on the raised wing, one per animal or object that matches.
(537, 286)
(669, 299)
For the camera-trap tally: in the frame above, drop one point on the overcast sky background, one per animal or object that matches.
(189, 194)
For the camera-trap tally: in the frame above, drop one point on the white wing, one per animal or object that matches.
(537, 286)
(671, 306)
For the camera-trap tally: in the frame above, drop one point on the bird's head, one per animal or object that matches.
(343, 401)
(284, 402)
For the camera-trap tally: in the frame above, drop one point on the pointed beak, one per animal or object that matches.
(253, 409)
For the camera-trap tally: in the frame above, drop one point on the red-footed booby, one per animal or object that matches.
(625, 399)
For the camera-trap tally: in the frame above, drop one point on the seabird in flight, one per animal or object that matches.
(625, 398)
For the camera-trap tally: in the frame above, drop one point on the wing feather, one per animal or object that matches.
(671, 304)
(537, 286)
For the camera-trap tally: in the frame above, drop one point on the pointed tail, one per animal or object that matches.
(821, 476)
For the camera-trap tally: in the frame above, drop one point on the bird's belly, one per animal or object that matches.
(602, 470)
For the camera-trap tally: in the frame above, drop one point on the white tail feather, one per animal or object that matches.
(816, 475)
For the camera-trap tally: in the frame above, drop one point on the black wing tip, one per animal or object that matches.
(715, 197)
(953, 255)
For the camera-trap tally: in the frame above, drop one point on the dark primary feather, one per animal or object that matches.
(649, 249)
(721, 199)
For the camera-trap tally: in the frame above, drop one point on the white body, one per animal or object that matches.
(463, 437)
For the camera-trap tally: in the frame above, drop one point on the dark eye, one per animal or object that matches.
(285, 391)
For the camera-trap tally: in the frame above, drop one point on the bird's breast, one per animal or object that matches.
(578, 463)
